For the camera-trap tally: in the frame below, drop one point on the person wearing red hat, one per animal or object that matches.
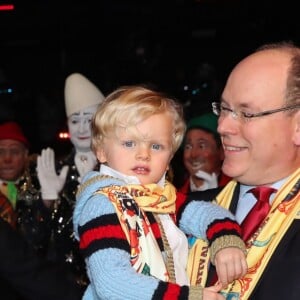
(24, 231)
(19, 186)
(13, 159)
(13, 151)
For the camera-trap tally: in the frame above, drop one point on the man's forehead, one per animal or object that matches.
(259, 77)
(10, 143)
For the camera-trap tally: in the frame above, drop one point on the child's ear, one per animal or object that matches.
(296, 135)
(101, 155)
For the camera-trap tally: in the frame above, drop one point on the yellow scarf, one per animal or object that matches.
(260, 247)
(131, 202)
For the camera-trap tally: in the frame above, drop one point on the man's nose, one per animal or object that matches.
(227, 125)
(6, 155)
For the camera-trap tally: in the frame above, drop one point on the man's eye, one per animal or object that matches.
(15, 151)
(86, 119)
(225, 109)
(128, 144)
(246, 115)
(188, 147)
(203, 145)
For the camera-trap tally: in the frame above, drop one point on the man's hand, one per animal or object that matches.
(51, 183)
(212, 292)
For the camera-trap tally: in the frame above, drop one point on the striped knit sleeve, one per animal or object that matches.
(107, 257)
(210, 221)
(100, 233)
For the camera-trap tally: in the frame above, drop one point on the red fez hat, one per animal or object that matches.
(13, 131)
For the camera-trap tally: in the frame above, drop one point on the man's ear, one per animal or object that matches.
(296, 134)
(101, 155)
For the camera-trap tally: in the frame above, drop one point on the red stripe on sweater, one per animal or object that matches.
(110, 231)
(155, 230)
(221, 226)
(172, 292)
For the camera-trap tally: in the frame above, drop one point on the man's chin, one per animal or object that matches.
(194, 170)
(231, 170)
(8, 177)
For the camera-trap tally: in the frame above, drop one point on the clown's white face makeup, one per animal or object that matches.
(79, 125)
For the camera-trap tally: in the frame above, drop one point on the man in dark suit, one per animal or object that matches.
(23, 275)
(259, 123)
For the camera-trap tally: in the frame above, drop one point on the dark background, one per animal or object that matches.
(182, 47)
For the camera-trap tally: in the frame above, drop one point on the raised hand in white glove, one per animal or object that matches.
(51, 183)
(209, 181)
(85, 162)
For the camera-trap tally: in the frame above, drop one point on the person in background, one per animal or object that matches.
(26, 276)
(14, 153)
(25, 225)
(125, 213)
(59, 179)
(202, 155)
(21, 204)
(259, 124)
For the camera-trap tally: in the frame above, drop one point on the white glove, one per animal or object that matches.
(51, 183)
(85, 162)
(209, 180)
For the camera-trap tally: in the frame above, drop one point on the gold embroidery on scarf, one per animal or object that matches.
(263, 243)
(285, 208)
(198, 261)
(168, 251)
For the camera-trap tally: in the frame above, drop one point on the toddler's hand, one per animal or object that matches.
(230, 264)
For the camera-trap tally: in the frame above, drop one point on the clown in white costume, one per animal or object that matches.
(59, 179)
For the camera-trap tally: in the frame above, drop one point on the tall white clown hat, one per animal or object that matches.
(80, 93)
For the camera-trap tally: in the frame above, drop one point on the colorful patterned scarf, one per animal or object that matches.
(131, 202)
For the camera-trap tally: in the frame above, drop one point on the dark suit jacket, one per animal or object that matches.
(281, 278)
(23, 275)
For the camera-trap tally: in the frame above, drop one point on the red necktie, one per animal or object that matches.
(256, 215)
(258, 212)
